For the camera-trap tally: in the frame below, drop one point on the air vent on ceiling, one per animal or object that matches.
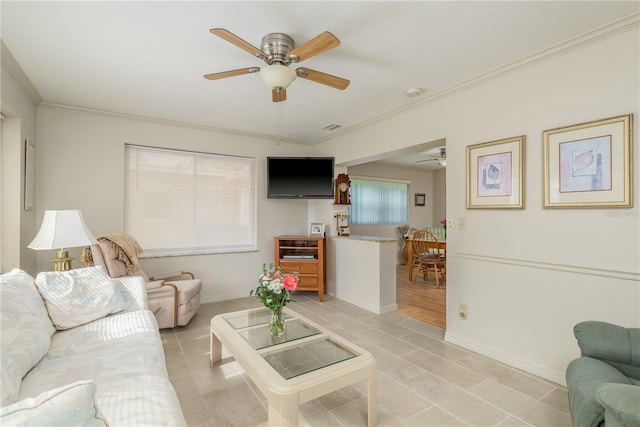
(332, 126)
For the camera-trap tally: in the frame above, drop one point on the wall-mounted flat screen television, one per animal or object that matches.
(300, 177)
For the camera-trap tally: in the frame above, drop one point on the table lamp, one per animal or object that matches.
(62, 229)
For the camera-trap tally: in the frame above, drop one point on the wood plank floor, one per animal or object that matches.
(421, 300)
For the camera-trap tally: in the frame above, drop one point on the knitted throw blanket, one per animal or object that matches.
(126, 247)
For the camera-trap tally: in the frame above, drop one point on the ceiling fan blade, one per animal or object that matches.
(320, 43)
(279, 95)
(231, 73)
(233, 39)
(322, 78)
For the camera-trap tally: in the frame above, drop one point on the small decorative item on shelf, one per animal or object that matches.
(444, 225)
(274, 292)
(402, 230)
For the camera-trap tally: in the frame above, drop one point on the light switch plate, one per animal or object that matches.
(462, 223)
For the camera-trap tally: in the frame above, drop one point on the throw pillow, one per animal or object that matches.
(70, 405)
(76, 297)
(25, 331)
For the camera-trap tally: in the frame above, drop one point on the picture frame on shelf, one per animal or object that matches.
(588, 165)
(344, 231)
(495, 174)
(316, 229)
(420, 199)
(29, 174)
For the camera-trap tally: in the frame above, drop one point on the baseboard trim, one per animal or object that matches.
(507, 358)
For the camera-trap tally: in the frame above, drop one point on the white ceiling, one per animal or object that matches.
(147, 58)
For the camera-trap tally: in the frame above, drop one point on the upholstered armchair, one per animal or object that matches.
(604, 383)
(173, 297)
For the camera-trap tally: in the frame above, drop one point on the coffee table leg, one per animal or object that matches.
(215, 354)
(372, 396)
(284, 410)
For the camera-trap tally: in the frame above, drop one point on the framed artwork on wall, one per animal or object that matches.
(29, 174)
(588, 165)
(420, 199)
(495, 174)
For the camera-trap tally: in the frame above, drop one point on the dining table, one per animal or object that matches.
(442, 246)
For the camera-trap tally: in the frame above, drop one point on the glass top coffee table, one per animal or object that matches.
(307, 362)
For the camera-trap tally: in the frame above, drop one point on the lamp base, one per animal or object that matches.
(62, 261)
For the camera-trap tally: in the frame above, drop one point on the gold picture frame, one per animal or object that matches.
(588, 165)
(495, 174)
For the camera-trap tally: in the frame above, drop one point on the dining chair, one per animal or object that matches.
(429, 256)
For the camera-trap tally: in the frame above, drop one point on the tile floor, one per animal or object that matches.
(422, 381)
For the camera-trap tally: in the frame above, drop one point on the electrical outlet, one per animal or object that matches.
(462, 311)
(462, 223)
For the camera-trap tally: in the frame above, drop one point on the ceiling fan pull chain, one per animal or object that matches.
(280, 122)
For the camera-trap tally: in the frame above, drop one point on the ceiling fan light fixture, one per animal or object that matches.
(277, 76)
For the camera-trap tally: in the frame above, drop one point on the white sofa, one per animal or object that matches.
(60, 369)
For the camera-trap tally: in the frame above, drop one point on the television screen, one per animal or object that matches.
(300, 177)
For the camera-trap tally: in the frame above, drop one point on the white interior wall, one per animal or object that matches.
(19, 108)
(529, 275)
(81, 157)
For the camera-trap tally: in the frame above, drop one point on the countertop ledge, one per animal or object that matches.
(369, 238)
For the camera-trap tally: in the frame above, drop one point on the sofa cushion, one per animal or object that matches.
(69, 405)
(621, 403)
(123, 355)
(76, 297)
(25, 331)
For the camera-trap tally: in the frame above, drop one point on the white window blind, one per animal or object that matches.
(183, 202)
(376, 202)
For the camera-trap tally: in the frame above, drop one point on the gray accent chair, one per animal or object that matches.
(604, 383)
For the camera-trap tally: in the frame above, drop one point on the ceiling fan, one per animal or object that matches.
(278, 52)
(442, 158)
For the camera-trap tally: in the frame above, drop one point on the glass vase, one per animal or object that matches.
(276, 324)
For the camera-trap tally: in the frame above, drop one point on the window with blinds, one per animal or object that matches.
(375, 202)
(183, 202)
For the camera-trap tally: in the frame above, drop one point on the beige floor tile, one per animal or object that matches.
(436, 346)
(387, 342)
(235, 405)
(313, 414)
(399, 400)
(355, 414)
(422, 380)
(513, 422)
(434, 416)
(340, 397)
(454, 400)
(511, 377)
(558, 398)
(520, 405)
(442, 368)
(392, 365)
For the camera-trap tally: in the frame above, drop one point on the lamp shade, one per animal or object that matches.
(62, 229)
(277, 76)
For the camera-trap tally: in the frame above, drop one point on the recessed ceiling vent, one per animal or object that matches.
(332, 126)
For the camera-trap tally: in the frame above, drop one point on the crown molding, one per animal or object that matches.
(581, 41)
(10, 64)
